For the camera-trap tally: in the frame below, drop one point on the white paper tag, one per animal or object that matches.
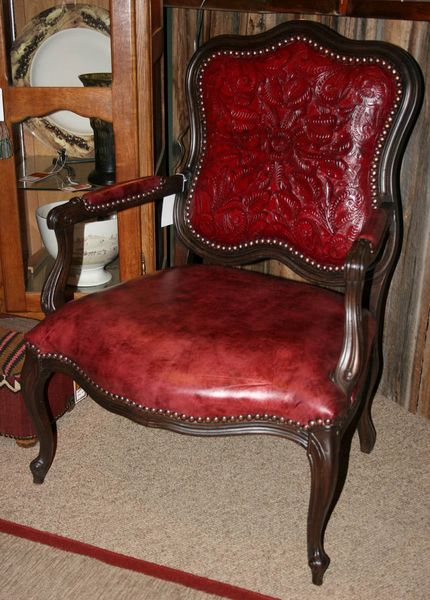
(1, 106)
(167, 210)
(79, 392)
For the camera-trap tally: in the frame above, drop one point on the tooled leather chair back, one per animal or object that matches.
(293, 141)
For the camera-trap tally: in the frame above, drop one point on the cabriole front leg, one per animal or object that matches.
(34, 378)
(323, 454)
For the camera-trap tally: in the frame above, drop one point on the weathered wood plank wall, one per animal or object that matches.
(406, 377)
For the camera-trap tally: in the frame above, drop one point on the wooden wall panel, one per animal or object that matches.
(406, 377)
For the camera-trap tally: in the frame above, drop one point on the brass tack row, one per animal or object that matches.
(374, 165)
(177, 416)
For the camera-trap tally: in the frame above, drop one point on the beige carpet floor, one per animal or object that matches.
(231, 509)
(31, 571)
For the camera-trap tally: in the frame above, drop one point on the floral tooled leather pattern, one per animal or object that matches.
(291, 137)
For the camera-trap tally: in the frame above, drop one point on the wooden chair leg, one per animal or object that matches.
(366, 428)
(33, 380)
(323, 453)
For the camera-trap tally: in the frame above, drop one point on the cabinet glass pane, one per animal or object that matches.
(42, 183)
(50, 44)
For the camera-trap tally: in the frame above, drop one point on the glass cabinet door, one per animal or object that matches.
(64, 131)
(51, 45)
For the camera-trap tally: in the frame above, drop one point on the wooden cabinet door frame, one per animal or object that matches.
(123, 104)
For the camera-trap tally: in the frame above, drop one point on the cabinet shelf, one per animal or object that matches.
(77, 170)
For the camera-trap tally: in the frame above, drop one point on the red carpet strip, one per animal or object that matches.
(203, 584)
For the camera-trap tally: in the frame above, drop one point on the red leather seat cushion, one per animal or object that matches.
(207, 341)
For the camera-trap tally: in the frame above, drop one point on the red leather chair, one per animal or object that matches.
(296, 141)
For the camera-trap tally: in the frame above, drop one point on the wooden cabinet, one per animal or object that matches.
(136, 50)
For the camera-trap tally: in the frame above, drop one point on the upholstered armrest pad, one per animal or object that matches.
(376, 226)
(114, 198)
(133, 192)
(124, 190)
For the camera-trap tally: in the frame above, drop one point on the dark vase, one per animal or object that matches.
(104, 144)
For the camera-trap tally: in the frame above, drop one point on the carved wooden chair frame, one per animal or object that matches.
(364, 280)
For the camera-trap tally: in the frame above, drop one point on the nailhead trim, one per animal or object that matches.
(176, 416)
(374, 165)
(121, 201)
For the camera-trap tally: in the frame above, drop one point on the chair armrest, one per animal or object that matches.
(115, 198)
(376, 226)
(352, 355)
(361, 257)
(92, 205)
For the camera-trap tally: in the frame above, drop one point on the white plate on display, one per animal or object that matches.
(81, 51)
(56, 47)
